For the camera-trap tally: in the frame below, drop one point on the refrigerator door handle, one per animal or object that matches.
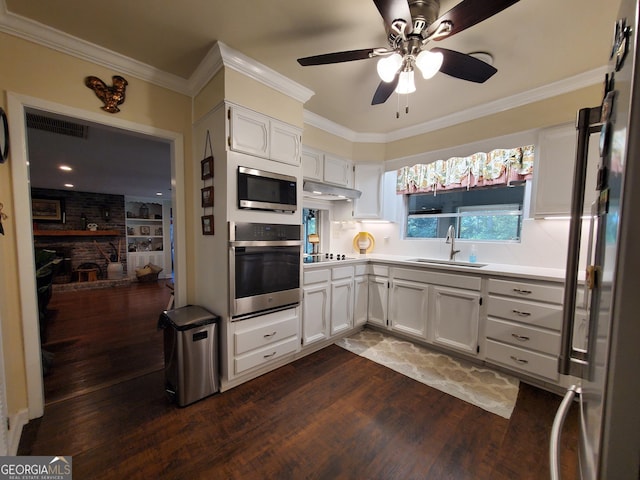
(556, 431)
(588, 122)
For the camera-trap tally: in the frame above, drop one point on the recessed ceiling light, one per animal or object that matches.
(159, 194)
(65, 168)
(69, 185)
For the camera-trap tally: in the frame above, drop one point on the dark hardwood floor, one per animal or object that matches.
(102, 337)
(330, 415)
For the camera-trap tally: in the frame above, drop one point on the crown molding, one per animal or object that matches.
(218, 56)
(544, 92)
(221, 55)
(251, 68)
(41, 34)
(560, 87)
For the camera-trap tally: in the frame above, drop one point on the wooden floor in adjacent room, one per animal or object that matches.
(330, 415)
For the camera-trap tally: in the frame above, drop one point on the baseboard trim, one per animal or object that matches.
(17, 422)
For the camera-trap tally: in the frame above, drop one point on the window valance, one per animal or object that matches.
(498, 167)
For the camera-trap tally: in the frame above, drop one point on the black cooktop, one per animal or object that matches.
(325, 257)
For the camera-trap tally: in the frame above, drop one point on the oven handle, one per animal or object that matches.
(266, 243)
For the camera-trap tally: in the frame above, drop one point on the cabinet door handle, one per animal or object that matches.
(269, 355)
(267, 335)
(519, 291)
(522, 338)
(521, 361)
(520, 313)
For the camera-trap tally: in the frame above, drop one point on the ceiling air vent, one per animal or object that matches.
(55, 125)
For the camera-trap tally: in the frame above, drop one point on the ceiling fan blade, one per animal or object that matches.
(468, 13)
(384, 90)
(392, 10)
(465, 67)
(336, 57)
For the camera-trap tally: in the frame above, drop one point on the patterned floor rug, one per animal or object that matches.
(490, 390)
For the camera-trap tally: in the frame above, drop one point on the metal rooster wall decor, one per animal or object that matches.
(111, 96)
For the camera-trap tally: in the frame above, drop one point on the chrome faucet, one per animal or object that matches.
(451, 238)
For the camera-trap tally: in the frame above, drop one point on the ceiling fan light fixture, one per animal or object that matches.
(406, 83)
(388, 67)
(429, 63)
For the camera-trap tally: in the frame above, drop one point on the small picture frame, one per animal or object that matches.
(207, 224)
(47, 209)
(206, 168)
(207, 196)
(145, 230)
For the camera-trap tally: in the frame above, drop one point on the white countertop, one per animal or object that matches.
(520, 271)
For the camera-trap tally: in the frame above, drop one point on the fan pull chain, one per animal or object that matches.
(398, 105)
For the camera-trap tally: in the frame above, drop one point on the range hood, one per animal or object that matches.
(326, 191)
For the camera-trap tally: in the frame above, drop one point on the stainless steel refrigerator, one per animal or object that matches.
(604, 358)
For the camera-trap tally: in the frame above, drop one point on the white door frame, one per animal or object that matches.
(16, 105)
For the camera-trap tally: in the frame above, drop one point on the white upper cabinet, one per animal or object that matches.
(259, 135)
(285, 143)
(312, 164)
(368, 179)
(249, 132)
(337, 170)
(555, 161)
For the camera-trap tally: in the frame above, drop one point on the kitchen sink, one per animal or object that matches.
(448, 262)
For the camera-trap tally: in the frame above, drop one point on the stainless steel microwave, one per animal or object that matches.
(262, 190)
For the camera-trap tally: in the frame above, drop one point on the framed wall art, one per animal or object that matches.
(207, 224)
(207, 196)
(47, 210)
(206, 168)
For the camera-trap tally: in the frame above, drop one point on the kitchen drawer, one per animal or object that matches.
(270, 332)
(531, 313)
(342, 272)
(380, 270)
(265, 355)
(527, 361)
(523, 336)
(551, 293)
(361, 269)
(316, 276)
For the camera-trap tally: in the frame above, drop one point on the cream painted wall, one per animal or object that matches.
(252, 94)
(39, 72)
(544, 113)
(211, 95)
(327, 142)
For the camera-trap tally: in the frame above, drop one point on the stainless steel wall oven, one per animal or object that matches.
(264, 267)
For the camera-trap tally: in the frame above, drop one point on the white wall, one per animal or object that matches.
(544, 243)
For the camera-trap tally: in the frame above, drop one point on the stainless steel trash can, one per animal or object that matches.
(190, 353)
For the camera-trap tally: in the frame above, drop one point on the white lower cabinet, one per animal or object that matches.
(260, 340)
(378, 290)
(361, 296)
(315, 306)
(342, 297)
(408, 307)
(331, 296)
(455, 318)
(524, 320)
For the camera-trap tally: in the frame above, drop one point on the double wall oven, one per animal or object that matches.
(264, 267)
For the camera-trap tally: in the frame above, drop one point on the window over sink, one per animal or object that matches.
(490, 213)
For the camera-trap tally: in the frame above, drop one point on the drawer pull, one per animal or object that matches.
(269, 355)
(522, 338)
(267, 335)
(520, 313)
(519, 291)
(521, 361)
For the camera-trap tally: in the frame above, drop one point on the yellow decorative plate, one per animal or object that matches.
(364, 240)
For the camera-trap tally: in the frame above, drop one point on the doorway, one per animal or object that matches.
(17, 107)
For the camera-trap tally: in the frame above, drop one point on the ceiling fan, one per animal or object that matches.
(410, 26)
